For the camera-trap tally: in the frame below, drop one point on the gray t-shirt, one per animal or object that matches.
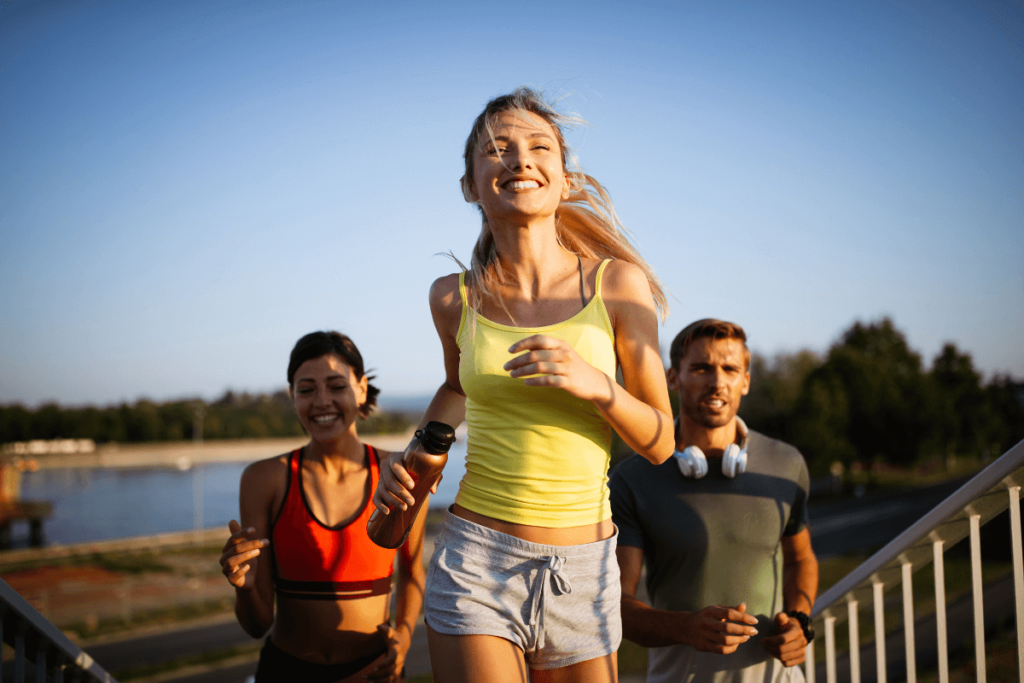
(715, 541)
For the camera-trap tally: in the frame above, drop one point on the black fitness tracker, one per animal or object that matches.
(805, 623)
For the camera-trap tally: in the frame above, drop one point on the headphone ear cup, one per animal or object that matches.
(692, 462)
(734, 461)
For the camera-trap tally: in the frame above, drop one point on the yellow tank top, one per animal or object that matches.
(536, 455)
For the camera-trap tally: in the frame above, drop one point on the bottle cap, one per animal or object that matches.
(436, 437)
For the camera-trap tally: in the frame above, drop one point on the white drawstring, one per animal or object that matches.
(552, 570)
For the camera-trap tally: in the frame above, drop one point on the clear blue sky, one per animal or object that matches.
(188, 187)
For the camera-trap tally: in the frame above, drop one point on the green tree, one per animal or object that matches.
(775, 387)
(1005, 398)
(964, 416)
(870, 399)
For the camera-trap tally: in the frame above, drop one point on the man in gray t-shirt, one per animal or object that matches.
(730, 570)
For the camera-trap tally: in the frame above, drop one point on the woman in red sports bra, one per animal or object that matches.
(303, 536)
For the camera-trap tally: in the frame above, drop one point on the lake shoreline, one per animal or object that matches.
(183, 455)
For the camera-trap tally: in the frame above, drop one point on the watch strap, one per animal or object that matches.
(805, 623)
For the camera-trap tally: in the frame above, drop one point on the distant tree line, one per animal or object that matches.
(233, 416)
(871, 399)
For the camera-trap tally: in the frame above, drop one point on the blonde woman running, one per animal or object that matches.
(524, 582)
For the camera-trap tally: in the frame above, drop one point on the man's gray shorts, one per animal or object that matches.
(559, 604)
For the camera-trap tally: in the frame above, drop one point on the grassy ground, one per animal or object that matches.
(928, 473)
(99, 628)
(1000, 658)
(79, 593)
(133, 563)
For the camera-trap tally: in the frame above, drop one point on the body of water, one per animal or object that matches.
(100, 504)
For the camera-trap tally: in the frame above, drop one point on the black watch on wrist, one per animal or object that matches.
(805, 623)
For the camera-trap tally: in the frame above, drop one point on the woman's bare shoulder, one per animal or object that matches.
(444, 292)
(446, 303)
(266, 474)
(624, 281)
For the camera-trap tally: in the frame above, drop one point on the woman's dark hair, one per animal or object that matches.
(317, 344)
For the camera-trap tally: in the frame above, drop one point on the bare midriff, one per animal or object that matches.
(330, 631)
(571, 535)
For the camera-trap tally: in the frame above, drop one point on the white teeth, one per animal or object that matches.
(325, 419)
(522, 185)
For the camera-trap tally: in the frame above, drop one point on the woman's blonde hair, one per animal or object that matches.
(585, 223)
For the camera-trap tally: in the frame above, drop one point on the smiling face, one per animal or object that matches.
(711, 379)
(518, 169)
(327, 395)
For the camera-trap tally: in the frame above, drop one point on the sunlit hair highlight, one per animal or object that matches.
(585, 223)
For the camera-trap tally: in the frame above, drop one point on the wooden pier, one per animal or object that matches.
(23, 510)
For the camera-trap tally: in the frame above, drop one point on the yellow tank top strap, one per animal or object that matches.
(600, 272)
(465, 304)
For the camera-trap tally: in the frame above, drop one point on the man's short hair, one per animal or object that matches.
(710, 328)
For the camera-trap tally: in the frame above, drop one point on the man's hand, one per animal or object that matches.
(719, 629)
(790, 645)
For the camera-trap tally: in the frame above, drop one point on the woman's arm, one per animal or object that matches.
(640, 412)
(247, 556)
(412, 581)
(448, 404)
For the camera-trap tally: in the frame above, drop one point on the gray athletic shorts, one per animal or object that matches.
(559, 604)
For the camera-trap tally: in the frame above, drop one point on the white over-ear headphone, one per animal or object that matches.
(692, 462)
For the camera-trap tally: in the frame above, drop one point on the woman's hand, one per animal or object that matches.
(238, 561)
(556, 364)
(388, 668)
(394, 489)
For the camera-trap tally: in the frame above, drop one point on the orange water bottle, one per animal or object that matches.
(424, 459)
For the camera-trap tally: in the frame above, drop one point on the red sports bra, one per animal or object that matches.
(320, 563)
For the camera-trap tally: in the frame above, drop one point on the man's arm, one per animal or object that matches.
(713, 629)
(799, 572)
(799, 590)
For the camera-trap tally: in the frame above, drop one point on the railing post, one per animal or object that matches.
(908, 621)
(979, 606)
(940, 610)
(1018, 574)
(41, 662)
(58, 668)
(851, 609)
(830, 648)
(809, 672)
(19, 652)
(880, 664)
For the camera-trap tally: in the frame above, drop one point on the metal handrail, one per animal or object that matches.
(991, 491)
(30, 633)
